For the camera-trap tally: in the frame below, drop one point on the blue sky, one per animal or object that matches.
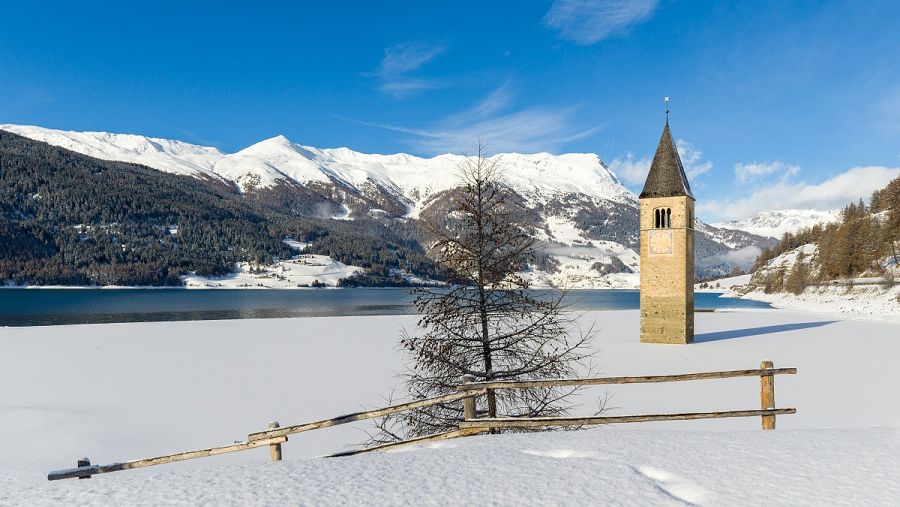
(775, 104)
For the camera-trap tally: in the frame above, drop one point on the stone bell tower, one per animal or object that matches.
(667, 249)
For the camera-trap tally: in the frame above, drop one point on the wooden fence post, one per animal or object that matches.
(767, 394)
(469, 401)
(84, 462)
(274, 449)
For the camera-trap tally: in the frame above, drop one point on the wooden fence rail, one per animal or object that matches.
(360, 416)
(543, 422)
(85, 469)
(596, 381)
(468, 391)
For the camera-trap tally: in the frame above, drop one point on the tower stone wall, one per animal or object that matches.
(667, 271)
(667, 248)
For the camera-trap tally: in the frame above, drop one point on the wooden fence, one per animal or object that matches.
(468, 391)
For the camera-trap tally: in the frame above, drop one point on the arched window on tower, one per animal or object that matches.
(662, 218)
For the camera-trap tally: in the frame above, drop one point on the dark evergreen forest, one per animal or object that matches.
(70, 219)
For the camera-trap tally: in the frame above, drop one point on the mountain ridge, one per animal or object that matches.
(276, 159)
(775, 223)
(586, 218)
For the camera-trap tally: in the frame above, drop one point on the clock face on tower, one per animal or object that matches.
(660, 242)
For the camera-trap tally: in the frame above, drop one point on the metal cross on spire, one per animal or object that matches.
(666, 99)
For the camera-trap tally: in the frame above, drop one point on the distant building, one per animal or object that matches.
(667, 249)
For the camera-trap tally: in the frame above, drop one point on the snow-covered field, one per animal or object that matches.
(595, 467)
(860, 301)
(723, 284)
(122, 391)
(300, 271)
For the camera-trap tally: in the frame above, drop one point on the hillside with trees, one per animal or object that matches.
(865, 242)
(70, 219)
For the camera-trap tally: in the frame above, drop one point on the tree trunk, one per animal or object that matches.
(482, 302)
(486, 352)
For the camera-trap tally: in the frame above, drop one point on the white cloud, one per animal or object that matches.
(634, 171)
(528, 130)
(402, 59)
(754, 170)
(407, 57)
(590, 21)
(835, 192)
(692, 159)
(631, 170)
(743, 257)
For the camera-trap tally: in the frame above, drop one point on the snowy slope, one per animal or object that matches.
(559, 187)
(576, 200)
(776, 223)
(263, 164)
(163, 154)
(537, 176)
(867, 298)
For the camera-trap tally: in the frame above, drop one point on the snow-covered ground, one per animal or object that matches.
(579, 256)
(300, 271)
(723, 284)
(860, 301)
(122, 391)
(595, 467)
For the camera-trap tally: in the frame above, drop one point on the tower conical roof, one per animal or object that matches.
(666, 177)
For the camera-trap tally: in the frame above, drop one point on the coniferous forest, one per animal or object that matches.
(857, 244)
(69, 219)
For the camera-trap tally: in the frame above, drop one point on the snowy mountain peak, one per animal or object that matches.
(538, 177)
(587, 218)
(174, 156)
(276, 143)
(775, 223)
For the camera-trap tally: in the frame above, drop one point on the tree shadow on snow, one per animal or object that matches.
(753, 331)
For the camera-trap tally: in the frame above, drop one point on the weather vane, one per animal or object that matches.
(666, 99)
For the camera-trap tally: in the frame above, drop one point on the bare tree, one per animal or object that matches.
(487, 323)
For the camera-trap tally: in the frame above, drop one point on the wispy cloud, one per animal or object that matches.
(634, 170)
(502, 129)
(786, 193)
(399, 61)
(755, 170)
(692, 159)
(631, 170)
(590, 21)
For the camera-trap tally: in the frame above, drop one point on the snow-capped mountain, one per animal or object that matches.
(276, 161)
(775, 223)
(586, 217)
(166, 155)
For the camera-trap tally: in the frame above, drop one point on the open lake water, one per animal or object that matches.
(46, 307)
